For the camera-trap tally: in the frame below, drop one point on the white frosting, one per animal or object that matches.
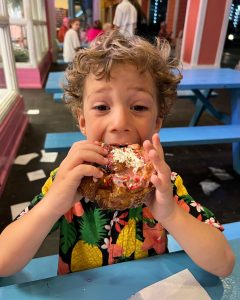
(126, 155)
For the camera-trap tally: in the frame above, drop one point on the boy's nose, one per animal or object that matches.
(120, 120)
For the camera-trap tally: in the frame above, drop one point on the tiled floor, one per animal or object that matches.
(194, 163)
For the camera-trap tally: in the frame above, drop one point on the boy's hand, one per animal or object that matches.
(77, 164)
(162, 204)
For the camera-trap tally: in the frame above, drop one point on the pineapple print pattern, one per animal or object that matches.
(91, 237)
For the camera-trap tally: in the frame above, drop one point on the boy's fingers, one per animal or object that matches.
(157, 145)
(158, 162)
(81, 156)
(88, 170)
(85, 145)
(147, 145)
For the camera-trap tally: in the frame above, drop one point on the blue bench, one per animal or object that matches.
(190, 94)
(46, 267)
(57, 97)
(179, 136)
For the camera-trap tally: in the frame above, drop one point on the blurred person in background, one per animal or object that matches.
(63, 29)
(94, 31)
(71, 41)
(142, 27)
(107, 27)
(125, 19)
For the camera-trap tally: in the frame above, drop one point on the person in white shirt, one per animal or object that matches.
(125, 18)
(71, 41)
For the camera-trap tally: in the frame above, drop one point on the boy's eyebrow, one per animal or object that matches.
(140, 89)
(99, 91)
(107, 89)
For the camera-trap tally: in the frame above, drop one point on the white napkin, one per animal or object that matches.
(179, 286)
(25, 158)
(36, 175)
(48, 156)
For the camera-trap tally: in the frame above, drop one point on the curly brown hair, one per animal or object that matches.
(113, 48)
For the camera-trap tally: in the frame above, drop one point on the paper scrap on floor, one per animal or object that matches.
(209, 186)
(33, 112)
(221, 173)
(25, 158)
(179, 286)
(49, 157)
(36, 175)
(16, 209)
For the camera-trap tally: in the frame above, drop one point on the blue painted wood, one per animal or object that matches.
(235, 119)
(121, 281)
(190, 94)
(179, 136)
(181, 94)
(200, 135)
(61, 141)
(231, 232)
(219, 78)
(57, 97)
(36, 269)
(46, 267)
(54, 82)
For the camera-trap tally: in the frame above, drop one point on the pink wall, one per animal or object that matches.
(170, 15)
(181, 16)
(211, 32)
(190, 30)
(34, 78)
(11, 132)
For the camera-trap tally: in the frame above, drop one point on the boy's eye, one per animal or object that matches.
(101, 107)
(139, 108)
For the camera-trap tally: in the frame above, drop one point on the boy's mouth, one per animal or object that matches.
(119, 145)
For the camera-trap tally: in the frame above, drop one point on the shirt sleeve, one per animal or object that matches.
(118, 17)
(39, 197)
(76, 40)
(193, 207)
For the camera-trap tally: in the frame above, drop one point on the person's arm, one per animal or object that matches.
(76, 41)
(205, 244)
(22, 238)
(117, 18)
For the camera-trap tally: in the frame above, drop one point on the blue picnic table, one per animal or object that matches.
(121, 281)
(201, 83)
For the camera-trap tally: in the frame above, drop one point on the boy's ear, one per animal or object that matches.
(81, 122)
(158, 124)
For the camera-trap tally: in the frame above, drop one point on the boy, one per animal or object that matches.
(119, 90)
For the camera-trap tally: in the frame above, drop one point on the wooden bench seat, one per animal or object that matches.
(177, 136)
(190, 94)
(57, 97)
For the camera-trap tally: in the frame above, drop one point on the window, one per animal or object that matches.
(28, 31)
(8, 82)
(20, 43)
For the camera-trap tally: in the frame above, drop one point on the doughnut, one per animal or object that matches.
(126, 180)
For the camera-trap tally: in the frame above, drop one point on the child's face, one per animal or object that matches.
(76, 25)
(122, 110)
